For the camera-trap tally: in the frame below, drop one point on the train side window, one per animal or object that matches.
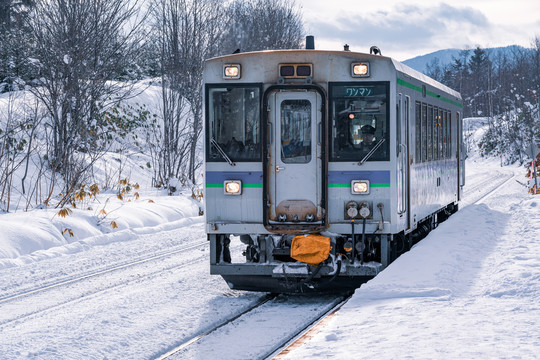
(435, 133)
(399, 119)
(430, 133)
(424, 132)
(449, 145)
(438, 143)
(444, 135)
(418, 132)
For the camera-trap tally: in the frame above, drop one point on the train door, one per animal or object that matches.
(295, 166)
(402, 131)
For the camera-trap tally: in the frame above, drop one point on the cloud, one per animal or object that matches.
(408, 26)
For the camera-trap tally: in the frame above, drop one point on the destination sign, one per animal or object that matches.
(355, 91)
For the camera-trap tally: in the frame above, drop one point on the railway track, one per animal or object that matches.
(306, 334)
(255, 333)
(29, 303)
(99, 272)
(177, 349)
(480, 190)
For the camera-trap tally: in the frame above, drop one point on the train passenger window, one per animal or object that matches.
(296, 131)
(359, 121)
(438, 128)
(444, 134)
(430, 133)
(435, 133)
(449, 154)
(233, 121)
(424, 132)
(418, 132)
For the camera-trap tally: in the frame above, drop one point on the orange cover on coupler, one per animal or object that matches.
(311, 249)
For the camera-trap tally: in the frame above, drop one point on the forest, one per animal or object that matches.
(80, 59)
(503, 88)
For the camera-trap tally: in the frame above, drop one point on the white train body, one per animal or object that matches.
(287, 154)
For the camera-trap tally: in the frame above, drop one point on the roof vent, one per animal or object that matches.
(310, 42)
(346, 47)
(375, 50)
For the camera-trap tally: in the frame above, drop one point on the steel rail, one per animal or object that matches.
(115, 267)
(185, 344)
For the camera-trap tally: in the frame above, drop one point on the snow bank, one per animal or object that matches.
(434, 264)
(42, 233)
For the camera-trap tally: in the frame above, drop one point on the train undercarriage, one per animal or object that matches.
(272, 265)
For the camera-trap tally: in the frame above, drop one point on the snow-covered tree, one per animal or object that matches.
(80, 46)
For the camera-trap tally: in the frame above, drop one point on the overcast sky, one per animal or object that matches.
(404, 30)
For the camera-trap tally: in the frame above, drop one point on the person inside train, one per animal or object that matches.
(368, 134)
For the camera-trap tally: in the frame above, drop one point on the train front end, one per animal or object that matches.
(298, 149)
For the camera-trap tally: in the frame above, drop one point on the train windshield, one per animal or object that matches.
(233, 128)
(359, 118)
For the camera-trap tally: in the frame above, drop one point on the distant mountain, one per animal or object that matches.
(447, 56)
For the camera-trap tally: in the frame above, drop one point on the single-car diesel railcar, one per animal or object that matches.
(326, 165)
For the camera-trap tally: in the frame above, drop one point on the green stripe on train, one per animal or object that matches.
(429, 93)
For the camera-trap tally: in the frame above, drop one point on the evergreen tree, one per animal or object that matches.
(14, 43)
(480, 79)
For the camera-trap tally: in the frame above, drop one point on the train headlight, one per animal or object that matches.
(231, 71)
(360, 69)
(232, 187)
(360, 187)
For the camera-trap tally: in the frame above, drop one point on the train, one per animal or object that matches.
(322, 167)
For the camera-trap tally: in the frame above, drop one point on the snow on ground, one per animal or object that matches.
(138, 312)
(470, 290)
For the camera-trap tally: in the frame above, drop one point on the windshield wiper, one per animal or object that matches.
(371, 152)
(222, 152)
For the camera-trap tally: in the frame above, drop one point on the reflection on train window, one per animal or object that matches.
(359, 121)
(296, 131)
(234, 123)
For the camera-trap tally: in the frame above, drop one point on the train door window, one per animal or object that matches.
(296, 131)
(407, 112)
(418, 132)
(424, 132)
(359, 121)
(233, 122)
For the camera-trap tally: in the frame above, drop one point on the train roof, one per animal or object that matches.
(399, 66)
